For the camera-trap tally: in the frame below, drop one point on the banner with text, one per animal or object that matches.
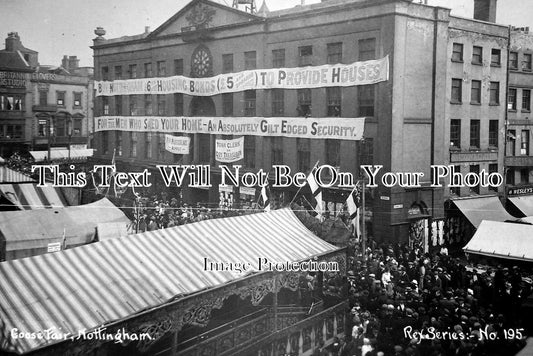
(329, 75)
(178, 145)
(228, 151)
(339, 128)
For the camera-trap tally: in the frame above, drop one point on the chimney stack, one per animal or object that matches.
(485, 10)
(13, 42)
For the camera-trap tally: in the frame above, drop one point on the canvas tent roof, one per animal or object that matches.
(117, 278)
(483, 208)
(27, 231)
(30, 196)
(502, 240)
(7, 175)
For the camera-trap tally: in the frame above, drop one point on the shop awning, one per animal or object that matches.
(29, 233)
(502, 240)
(28, 196)
(7, 175)
(483, 208)
(75, 154)
(524, 204)
(93, 285)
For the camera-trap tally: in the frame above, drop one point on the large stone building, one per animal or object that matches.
(42, 107)
(442, 103)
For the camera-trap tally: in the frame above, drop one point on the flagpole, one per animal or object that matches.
(295, 195)
(363, 228)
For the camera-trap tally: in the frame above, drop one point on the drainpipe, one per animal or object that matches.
(506, 125)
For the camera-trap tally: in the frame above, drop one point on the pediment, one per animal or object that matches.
(199, 14)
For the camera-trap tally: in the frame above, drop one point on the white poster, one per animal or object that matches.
(177, 144)
(228, 151)
(328, 75)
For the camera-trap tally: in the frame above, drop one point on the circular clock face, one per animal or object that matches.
(201, 63)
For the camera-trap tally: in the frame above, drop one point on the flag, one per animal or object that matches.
(265, 199)
(353, 204)
(316, 190)
(64, 240)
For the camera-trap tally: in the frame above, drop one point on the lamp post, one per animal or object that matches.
(69, 133)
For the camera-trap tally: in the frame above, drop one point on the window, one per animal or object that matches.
(365, 98)
(457, 91)
(11, 102)
(105, 73)
(334, 53)
(148, 144)
(493, 168)
(367, 49)
(43, 98)
(455, 134)
(178, 67)
(161, 146)
(133, 71)
(60, 98)
(475, 93)
(105, 105)
(77, 127)
(249, 103)
(276, 150)
(161, 68)
(249, 151)
(227, 104)
(118, 72)
(133, 105)
(366, 151)
(304, 102)
(204, 147)
(178, 104)
(42, 127)
(513, 60)
(227, 63)
(457, 52)
(333, 101)
(303, 154)
(456, 190)
(278, 102)
(148, 108)
(474, 168)
(510, 176)
(511, 99)
(477, 55)
(524, 176)
(118, 142)
(511, 143)
(105, 142)
(494, 93)
(526, 62)
(305, 55)
(250, 60)
(278, 58)
(493, 134)
(77, 100)
(524, 143)
(526, 100)
(133, 144)
(495, 58)
(161, 105)
(147, 70)
(60, 125)
(118, 105)
(474, 134)
(333, 150)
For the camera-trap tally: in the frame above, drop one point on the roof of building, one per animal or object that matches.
(13, 61)
(93, 285)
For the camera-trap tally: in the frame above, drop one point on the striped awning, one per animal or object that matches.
(30, 196)
(93, 285)
(7, 175)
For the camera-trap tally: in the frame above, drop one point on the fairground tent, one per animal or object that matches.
(34, 232)
(29, 196)
(94, 285)
(502, 240)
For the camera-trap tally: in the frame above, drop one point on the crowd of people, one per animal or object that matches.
(408, 303)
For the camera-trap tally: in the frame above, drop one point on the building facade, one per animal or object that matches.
(408, 117)
(42, 107)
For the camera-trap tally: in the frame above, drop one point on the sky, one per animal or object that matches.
(66, 27)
